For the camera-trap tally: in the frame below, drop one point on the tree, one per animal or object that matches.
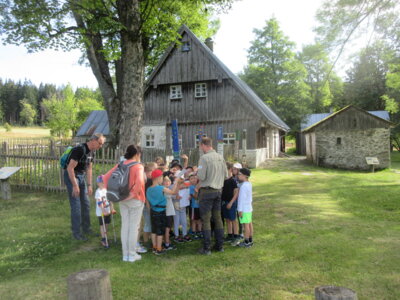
(316, 62)
(341, 21)
(118, 37)
(62, 113)
(275, 74)
(366, 80)
(27, 115)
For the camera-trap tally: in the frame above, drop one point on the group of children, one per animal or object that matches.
(172, 195)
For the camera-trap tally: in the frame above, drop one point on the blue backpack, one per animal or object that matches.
(64, 159)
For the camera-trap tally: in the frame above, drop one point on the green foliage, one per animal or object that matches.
(7, 127)
(366, 82)
(325, 86)
(28, 113)
(276, 75)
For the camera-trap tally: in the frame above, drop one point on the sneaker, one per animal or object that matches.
(203, 251)
(196, 237)
(187, 238)
(125, 258)
(160, 252)
(218, 249)
(169, 247)
(104, 243)
(178, 239)
(80, 237)
(134, 258)
(228, 239)
(235, 242)
(140, 249)
(245, 245)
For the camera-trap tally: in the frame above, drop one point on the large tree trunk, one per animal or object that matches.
(132, 74)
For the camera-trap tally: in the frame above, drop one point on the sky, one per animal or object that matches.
(296, 20)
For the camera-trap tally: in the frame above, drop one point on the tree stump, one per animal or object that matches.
(329, 292)
(89, 285)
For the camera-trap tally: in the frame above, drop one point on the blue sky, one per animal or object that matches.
(296, 19)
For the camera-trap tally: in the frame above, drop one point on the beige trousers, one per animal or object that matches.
(131, 214)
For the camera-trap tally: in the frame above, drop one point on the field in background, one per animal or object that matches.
(313, 227)
(25, 132)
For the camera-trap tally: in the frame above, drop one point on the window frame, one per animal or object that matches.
(229, 140)
(150, 139)
(203, 90)
(178, 92)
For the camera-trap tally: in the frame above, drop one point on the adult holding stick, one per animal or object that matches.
(131, 208)
(79, 168)
(212, 172)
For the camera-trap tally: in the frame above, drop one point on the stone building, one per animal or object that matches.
(344, 139)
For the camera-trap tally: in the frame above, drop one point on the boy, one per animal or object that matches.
(194, 211)
(104, 208)
(156, 197)
(229, 205)
(245, 207)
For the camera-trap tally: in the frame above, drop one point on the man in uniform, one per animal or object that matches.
(79, 166)
(211, 172)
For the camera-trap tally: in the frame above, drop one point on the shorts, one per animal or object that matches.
(246, 218)
(107, 220)
(170, 221)
(158, 222)
(229, 214)
(147, 220)
(194, 213)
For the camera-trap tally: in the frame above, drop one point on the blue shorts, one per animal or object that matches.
(229, 214)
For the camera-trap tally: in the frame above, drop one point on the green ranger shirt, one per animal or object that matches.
(212, 170)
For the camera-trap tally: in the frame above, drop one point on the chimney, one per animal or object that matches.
(210, 44)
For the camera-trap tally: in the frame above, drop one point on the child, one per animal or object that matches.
(229, 205)
(156, 197)
(104, 208)
(170, 213)
(194, 207)
(180, 212)
(245, 207)
(148, 169)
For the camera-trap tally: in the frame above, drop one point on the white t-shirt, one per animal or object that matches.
(245, 197)
(101, 195)
(185, 197)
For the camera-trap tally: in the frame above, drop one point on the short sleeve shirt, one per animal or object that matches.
(194, 202)
(155, 196)
(83, 156)
(228, 190)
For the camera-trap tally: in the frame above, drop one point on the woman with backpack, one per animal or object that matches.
(131, 207)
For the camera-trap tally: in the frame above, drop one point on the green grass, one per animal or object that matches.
(312, 226)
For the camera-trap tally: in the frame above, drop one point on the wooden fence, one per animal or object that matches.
(40, 167)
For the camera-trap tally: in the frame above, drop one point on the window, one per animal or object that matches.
(185, 46)
(149, 141)
(338, 141)
(200, 90)
(229, 138)
(175, 92)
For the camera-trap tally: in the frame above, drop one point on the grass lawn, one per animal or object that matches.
(25, 132)
(312, 227)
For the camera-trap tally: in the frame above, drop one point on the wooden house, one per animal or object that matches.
(345, 138)
(192, 85)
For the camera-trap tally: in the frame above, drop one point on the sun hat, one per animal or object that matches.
(237, 165)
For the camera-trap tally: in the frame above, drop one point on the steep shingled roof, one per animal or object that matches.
(96, 122)
(249, 94)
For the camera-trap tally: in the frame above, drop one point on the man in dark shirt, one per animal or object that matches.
(78, 166)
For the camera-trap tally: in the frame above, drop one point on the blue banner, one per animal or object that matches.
(220, 134)
(175, 138)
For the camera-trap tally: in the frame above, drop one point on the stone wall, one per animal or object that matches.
(347, 149)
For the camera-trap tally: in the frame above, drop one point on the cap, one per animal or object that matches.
(237, 165)
(176, 164)
(156, 173)
(245, 172)
(99, 179)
